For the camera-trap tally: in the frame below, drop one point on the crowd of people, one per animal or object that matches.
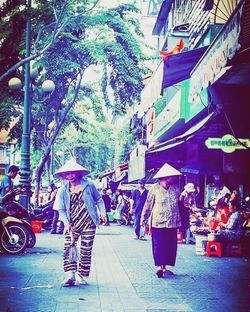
(81, 208)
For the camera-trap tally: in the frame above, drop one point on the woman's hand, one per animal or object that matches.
(104, 219)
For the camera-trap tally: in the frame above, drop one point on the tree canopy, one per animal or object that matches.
(69, 40)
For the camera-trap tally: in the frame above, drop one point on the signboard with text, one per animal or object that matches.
(136, 168)
(169, 116)
(215, 60)
(228, 143)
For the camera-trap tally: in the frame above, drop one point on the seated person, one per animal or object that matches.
(233, 229)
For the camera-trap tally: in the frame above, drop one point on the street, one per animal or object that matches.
(122, 279)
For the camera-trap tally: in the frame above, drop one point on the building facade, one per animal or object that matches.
(200, 123)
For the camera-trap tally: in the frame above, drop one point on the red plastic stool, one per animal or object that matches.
(180, 238)
(213, 249)
(234, 249)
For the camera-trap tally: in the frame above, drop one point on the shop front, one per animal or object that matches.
(223, 72)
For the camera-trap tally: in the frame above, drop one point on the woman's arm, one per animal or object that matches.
(98, 200)
(60, 206)
(148, 206)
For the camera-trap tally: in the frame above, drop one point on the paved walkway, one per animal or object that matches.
(122, 279)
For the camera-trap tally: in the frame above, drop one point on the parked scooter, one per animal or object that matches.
(13, 233)
(14, 236)
(44, 214)
(16, 210)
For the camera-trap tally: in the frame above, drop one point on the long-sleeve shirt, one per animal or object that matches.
(92, 199)
(163, 204)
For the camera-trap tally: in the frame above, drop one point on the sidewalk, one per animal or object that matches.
(122, 279)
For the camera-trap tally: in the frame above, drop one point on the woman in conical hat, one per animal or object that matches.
(79, 204)
(162, 207)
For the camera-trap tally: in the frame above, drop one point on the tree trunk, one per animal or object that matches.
(39, 169)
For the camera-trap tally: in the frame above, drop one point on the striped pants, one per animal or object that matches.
(87, 240)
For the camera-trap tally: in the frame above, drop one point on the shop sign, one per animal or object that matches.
(150, 122)
(169, 116)
(140, 149)
(228, 143)
(151, 92)
(136, 168)
(212, 64)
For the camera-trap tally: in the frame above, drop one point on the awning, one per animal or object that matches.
(107, 173)
(162, 17)
(202, 167)
(149, 179)
(164, 146)
(191, 131)
(178, 67)
(187, 135)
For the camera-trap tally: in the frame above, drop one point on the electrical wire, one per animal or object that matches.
(233, 132)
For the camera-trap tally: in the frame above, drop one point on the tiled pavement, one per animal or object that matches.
(122, 279)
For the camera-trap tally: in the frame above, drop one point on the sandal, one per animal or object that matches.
(69, 282)
(159, 273)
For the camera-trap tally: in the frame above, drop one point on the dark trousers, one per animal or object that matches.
(138, 229)
(164, 246)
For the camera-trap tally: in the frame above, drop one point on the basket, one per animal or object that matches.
(36, 226)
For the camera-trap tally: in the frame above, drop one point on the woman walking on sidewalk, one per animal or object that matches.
(162, 205)
(80, 205)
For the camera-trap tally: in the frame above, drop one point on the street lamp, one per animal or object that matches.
(48, 86)
(15, 83)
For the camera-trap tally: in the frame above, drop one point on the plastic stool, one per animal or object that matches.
(233, 249)
(213, 245)
(179, 237)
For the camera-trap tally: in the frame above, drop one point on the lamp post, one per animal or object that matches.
(25, 174)
(15, 83)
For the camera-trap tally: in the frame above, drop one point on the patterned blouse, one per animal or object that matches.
(234, 227)
(79, 216)
(163, 204)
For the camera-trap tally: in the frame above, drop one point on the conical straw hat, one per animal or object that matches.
(71, 166)
(167, 171)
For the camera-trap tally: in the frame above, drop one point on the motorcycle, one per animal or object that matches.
(44, 214)
(14, 236)
(14, 209)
